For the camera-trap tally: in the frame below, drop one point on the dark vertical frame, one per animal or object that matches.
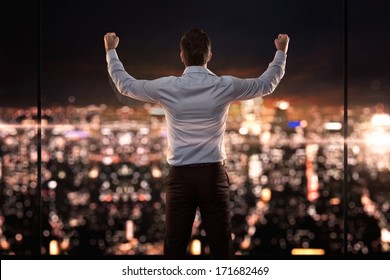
(39, 124)
(345, 131)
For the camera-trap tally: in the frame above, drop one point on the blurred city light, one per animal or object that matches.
(294, 124)
(266, 195)
(380, 120)
(129, 230)
(54, 248)
(385, 235)
(283, 105)
(4, 244)
(333, 125)
(196, 247)
(307, 251)
(378, 138)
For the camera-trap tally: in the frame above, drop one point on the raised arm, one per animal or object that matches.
(126, 84)
(245, 89)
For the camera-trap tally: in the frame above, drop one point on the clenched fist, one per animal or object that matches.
(111, 41)
(281, 43)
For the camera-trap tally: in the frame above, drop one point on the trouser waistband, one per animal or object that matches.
(204, 164)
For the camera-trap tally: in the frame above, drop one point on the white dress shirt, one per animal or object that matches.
(196, 104)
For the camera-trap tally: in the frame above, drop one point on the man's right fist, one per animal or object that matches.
(111, 41)
(281, 43)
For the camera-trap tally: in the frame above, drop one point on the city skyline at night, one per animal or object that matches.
(103, 169)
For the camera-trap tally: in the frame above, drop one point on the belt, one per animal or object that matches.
(205, 164)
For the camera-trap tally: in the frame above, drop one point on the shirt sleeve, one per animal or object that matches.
(126, 84)
(244, 89)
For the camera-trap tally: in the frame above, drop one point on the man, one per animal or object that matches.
(196, 109)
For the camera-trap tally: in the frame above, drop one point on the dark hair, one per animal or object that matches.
(195, 45)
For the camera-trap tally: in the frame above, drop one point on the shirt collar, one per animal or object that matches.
(197, 69)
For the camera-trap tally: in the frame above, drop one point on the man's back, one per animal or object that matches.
(196, 105)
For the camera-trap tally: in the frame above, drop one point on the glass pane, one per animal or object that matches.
(104, 160)
(19, 210)
(369, 124)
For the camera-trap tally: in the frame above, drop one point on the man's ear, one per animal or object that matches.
(182, 56)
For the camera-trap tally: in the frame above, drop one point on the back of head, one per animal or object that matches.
(195, 45)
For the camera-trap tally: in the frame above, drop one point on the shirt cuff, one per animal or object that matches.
(280, 55)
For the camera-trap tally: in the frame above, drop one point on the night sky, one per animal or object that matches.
(242, 34)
